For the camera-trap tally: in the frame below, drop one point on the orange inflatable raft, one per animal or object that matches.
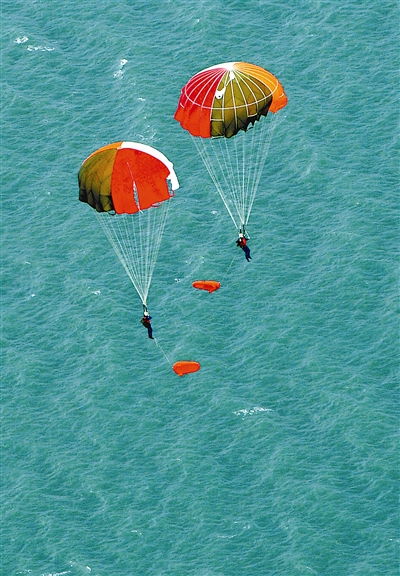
(209, 285)
(185, 367)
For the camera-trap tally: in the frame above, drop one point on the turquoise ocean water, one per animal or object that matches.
(280, 456)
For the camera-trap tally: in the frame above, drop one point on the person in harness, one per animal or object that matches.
(241, 242)
(146, 321)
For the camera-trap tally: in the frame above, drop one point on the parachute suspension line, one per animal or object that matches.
(243, 180)
(232, 166)
(261, 141)
(237, 175)
(222, 160)
(236, 165)
(117, 231)
(213, 165)
(136, 240)
(152, 223)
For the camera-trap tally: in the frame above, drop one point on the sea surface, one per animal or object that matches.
(280, 457)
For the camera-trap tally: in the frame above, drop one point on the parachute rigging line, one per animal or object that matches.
(236, 165)
(224, 276)
(137, 242)
(162, 350)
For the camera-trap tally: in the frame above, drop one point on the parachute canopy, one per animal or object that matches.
(129, 185)
(223, 99)
(185, 367)
(209, 285)
(125, 177)
(223, 108)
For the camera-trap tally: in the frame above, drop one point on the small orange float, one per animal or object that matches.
(185, 367)
(209, 285)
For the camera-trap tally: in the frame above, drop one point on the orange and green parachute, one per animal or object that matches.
(224, 109)
(129, 185)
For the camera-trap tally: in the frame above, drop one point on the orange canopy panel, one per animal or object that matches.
(209, 285)
(183, 367)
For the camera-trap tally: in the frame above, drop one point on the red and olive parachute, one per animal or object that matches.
(129, 186)
(223, 108)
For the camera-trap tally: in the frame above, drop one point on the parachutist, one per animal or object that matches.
(136, 190)
(242, 243)
(228, 101)
(146, 321)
